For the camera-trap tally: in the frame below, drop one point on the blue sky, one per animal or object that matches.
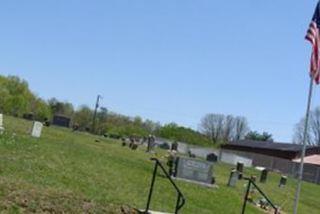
(166, 60)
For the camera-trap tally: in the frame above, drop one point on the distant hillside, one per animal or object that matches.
(17, 99)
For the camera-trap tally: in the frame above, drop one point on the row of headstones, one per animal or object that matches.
(35, 132)
(133, 143)
(237, 174)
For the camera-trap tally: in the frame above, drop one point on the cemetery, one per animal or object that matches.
(160, 107)
(57, 164)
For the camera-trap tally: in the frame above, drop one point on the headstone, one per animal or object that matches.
(131, 142)
(194, 170)
(36, 129)
(174, 146)
(134, 146)
(233, 178)
(240, 169)
(264, 176)
(149, 143)
(1, 120)
(1, 124)
(283, 181)
(212, 157)
(172, 163)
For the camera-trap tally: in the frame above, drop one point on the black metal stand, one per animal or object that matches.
(180, 198)
(251, 182)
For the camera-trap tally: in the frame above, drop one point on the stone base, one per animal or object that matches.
(155, 212)
(195, 182)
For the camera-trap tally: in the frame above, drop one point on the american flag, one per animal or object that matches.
(313, 36)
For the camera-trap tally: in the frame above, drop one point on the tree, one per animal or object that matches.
(212, 125)
(313, 132)
(16, 97)
(63, 108)
(83, 117)
(41, 110)
(241, 128)
(228, 128)
(219, 127)
(151, 127)
(254, 135)
(175, 132)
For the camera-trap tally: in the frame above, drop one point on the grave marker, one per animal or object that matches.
(1, 124)
(174, 146)
(283, 181)
(212, 157)
(194, 170)
(36, 129)
(264, 176)
(240, 167)
(1, 120)
(233, 178)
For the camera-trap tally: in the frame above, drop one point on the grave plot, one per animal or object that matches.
(195, 171)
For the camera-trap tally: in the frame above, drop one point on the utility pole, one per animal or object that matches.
(95, 113)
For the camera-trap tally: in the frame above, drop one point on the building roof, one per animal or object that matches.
(269, 145)
(276, 149)
(313, 159)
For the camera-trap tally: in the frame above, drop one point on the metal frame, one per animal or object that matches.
(180, 198)
(251, 182)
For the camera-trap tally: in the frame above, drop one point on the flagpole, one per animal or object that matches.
(305, 136)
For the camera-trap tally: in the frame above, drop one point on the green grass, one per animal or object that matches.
(71, 173)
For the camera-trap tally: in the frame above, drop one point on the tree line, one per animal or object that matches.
(221, 128)
(17, 100)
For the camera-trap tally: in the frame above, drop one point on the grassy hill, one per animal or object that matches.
(72, 173)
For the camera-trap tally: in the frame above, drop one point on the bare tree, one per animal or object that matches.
(220, 127)
(212, 125)
(228, 128)
(315, 127)
(241, 128)
(313, 132)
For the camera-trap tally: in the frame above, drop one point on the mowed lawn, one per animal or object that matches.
(66, 172)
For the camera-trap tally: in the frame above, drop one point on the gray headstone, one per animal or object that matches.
(194, 170)
(36, 129)
(212, 157)
(264, 176)
(240, 167)
(283, 181)
(174, 146)
(233, 179)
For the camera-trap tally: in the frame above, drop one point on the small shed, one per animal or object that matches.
(60, 120)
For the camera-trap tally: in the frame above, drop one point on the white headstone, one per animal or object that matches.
(1, 124)
(37, 129)
(1, 120)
